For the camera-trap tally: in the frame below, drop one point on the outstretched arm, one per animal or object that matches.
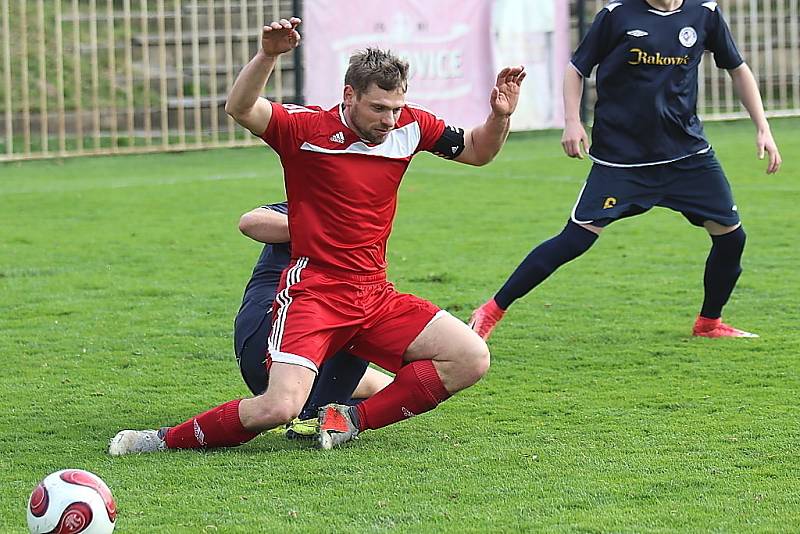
(746, 87)
(482, 144)
(265, 225)
(244, 103)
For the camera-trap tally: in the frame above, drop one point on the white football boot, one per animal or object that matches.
(136, 441)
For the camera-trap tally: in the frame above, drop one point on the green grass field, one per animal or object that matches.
(120, 278)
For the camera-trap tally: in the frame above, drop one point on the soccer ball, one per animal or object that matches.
(71, 501)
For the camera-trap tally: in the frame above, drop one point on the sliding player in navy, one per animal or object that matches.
(343, 378)
(648, 146)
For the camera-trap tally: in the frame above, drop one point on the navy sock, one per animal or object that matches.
(723, 268)
(335, 382)
(542, 261)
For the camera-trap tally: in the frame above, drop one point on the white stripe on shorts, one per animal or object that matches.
(283, 300)
(575, 208)
(293, 359)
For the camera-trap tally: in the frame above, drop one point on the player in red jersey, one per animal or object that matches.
(342, 169)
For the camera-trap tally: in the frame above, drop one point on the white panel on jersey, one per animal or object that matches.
(710, 5)
(294, 108)
(612, 6)
(422, 108)
(399, 144)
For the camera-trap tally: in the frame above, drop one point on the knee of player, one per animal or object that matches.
(478, 359)
(742, 236)
(285, 413)
(730, 240)
(270, 413)
(287, 408)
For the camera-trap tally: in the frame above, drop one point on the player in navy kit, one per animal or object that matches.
(343, 379)
(648, 145)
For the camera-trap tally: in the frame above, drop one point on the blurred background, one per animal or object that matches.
(120, 76)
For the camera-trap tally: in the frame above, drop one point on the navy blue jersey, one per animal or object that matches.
(260, 291)
(646, 111)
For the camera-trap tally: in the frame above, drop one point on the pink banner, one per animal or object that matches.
(446, 42)
(455, 49)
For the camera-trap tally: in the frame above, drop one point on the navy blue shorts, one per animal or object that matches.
(695, 186)
(250, 334)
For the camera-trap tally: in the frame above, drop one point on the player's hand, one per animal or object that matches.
(766, 144)
(280, 37)
(574, 140)
(505, 93)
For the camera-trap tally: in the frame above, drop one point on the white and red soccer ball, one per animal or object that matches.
(69, 502)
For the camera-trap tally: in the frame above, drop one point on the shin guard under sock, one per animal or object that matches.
(416, 389)
(723, 268)
(542, 261)
(218, 427)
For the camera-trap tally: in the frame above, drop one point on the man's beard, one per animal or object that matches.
(366, 135)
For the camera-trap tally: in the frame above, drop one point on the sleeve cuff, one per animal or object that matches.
(731, 66)
(571, 64)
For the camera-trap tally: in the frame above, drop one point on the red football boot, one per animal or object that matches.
(485, 318)
(705, 327)
(335, 426)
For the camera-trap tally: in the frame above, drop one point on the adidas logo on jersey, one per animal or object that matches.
(338, 137)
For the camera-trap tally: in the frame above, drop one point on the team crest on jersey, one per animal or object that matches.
(687, 36)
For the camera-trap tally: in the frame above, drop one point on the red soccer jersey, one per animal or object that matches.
(342, 192)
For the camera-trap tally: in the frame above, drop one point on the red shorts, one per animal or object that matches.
(318, 312)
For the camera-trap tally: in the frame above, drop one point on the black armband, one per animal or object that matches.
(450, 144)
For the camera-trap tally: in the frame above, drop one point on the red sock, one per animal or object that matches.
(416, 389)
(218, 427)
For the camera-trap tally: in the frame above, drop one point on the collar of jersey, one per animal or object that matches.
(661, 11)
(341, 118)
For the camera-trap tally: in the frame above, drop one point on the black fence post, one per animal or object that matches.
(299, 93)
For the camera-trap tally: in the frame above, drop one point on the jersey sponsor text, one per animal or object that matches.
(641, 57)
